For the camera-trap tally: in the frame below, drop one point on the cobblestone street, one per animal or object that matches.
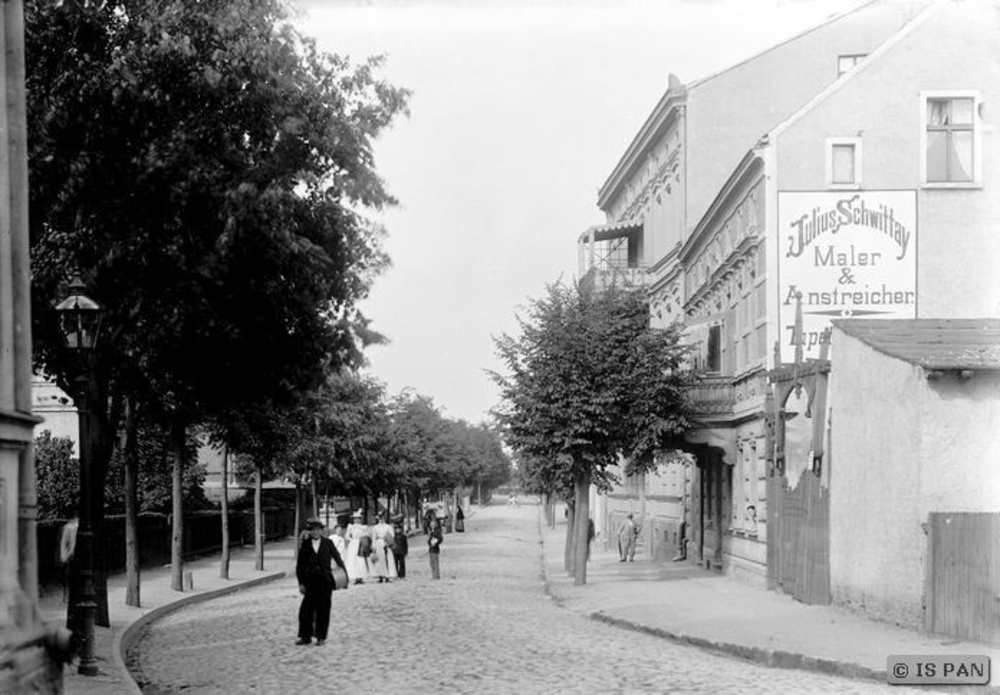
(487, 627)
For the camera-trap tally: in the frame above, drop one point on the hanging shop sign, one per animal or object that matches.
(846, 254)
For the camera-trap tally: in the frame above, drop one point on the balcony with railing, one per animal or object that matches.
(712, 396)
(602, 277)
(611, 256)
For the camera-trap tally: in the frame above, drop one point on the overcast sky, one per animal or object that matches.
(520, 111)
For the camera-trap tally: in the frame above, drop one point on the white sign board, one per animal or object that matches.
(848, 254)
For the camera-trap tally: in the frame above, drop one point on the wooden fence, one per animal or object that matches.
(963, 576)
(202, 535)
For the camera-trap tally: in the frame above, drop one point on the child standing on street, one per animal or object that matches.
(434, 540)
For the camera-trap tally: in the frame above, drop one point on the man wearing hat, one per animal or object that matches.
(315, 575)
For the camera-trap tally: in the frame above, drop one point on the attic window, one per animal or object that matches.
(847, 62)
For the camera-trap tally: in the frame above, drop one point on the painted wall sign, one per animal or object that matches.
(848, 254)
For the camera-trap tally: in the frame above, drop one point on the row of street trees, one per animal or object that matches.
(589, 384)
(206, 171)
(347, 438)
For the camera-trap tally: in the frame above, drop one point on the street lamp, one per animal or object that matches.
(80, 319)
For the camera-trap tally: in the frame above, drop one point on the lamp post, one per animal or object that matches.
(80, 317)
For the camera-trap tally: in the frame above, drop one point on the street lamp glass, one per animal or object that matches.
(80, 317)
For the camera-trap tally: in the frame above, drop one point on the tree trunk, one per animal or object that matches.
(177, 440)
(224, 560)
(131, 452)
(258, 521)
(568, 550)
(315, 497)
(582, 517)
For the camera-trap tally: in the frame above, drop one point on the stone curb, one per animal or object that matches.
(769, 657)
(127, 638)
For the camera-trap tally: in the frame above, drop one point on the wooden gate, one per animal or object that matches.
(798, 519)
(798, 543)
(963, 576)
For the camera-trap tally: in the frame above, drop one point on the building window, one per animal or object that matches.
(713, 361)
(950, 139)
(843, 162)
(846, 62)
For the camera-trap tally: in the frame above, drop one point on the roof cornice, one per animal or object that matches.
(744, 174)
(663, 116)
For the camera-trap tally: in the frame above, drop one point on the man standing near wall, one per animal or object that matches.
(626, 539)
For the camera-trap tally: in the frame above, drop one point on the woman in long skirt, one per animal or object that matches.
(357, 565)
(383, 562)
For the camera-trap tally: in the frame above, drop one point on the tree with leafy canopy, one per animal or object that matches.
(340, 438)
(260, 440)
(488, 463)
(423, 445)
(588, 382)
(203, 167)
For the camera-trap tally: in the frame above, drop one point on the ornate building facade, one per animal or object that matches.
(692, 196)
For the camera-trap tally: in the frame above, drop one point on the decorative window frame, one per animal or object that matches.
(854, 141)
(977, 137)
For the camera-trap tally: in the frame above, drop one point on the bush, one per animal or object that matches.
(57, 474)
(58, 478)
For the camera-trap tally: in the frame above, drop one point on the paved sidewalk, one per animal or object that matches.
(683, 602)
(158, 598)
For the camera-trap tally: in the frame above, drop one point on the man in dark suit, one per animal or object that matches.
(315, 575)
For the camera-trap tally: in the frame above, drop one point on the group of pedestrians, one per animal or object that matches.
(350, 555)
(353, 555)
(376, 553)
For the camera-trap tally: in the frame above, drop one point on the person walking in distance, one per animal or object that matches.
(402, 548)
(434, 549)
(626, 539)
(67, 553)
(314, 571)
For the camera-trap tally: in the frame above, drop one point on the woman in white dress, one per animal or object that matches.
(338, 541)
(340, 578)
(383, 562)
(357, 564)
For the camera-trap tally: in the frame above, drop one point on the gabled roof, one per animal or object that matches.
(931, 343)
(928, 9)
(674, 99)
